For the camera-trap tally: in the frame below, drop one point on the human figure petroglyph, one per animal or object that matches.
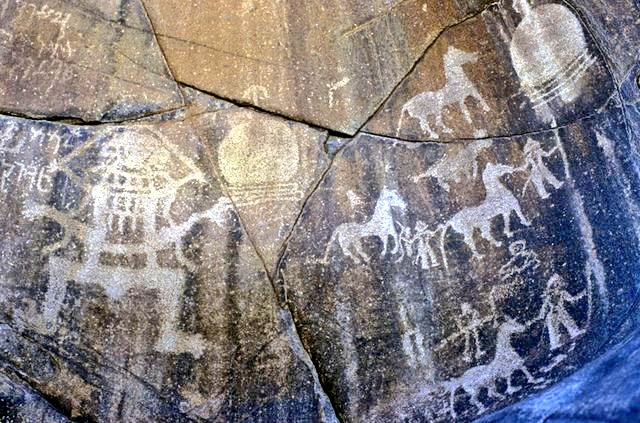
(381, 225)
(413, 342)
(539, 174)
(456, 90)
(456, 167)
(499, 201)
(469, 324)
(135, 183)
(418, 242)
(521, 260)
(506, 361)
(555, 314)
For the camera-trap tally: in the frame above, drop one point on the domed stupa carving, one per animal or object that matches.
(549, 52)
(258, 171)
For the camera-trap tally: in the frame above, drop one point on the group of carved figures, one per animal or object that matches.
(560, 326)
(417, 242)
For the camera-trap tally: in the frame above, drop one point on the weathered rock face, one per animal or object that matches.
(337, 211)
(329, 63)
(422, 271)
(129, 266)
(486, 83)
(82, 59)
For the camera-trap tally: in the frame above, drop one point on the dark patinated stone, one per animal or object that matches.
(446, 280)
(128, 266)
(357, 211)
(604, 390)
(515, 68)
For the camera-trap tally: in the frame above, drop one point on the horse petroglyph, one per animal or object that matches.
(499, 201)
(455, 167)
(349, 235)
(456, 90)
(505, 362)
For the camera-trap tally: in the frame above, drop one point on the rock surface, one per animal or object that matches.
(356, 211)
(82, 59)
(330, 64)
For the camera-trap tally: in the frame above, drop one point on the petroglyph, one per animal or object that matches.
(505, 362)
(553, 36)
(47, 61)
(539, 174)
(555, 314)
(18, 168)
(413, 341)
(348, 236)
(134, 184)
(271, 174)
(499, 201)
(455, 167)
(521, 259)
(456, 90)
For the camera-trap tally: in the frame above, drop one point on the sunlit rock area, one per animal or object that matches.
(319, 211)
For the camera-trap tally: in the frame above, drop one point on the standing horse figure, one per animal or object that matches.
(505, 362)
(499, 201)
(349, 235)
(457, 89)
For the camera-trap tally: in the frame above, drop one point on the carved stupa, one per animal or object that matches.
(549, 52)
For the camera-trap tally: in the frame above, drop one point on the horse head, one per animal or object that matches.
(456, 57)
(493, 170)
(510, 326)
(392, 199)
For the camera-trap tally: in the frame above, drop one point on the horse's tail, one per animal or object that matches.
(404, 110)
(327, 250)
(443, 227)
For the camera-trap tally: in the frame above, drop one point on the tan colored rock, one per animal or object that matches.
(269, 167)
(71, 59)
(330, 64)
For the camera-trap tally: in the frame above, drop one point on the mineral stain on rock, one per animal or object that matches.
(358, 211)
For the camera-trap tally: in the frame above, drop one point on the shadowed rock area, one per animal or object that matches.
(343, 211)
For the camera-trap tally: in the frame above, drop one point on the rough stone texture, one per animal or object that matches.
(129, 267)
(18, 402)
(604, 390)
(405, 247)
(472, 251)
(269, 167)
(329, 63)
(81, 59)
(478, 79)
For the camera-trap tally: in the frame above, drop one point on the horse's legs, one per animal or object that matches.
(361, 252)
(492, 392)
(506, 216)
(510, 389)
(529, 376)
(465, 110)
(485, 229)
(440, 123)
(468, 239)
(475, 400)
(521, 216)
